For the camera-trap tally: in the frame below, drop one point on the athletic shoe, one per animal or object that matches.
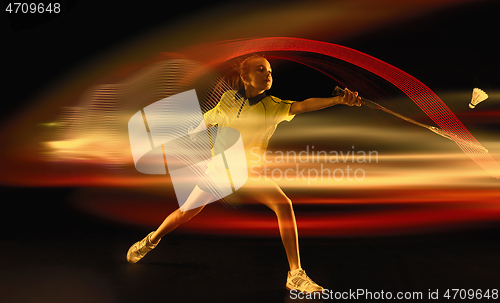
(140, 249)
(298, 279)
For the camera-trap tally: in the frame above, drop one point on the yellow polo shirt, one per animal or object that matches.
(256, 123)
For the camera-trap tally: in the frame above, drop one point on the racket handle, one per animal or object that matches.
(339, 92)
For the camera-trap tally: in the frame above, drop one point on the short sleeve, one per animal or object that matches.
(280, 109)
(216, 115)
(212, 116)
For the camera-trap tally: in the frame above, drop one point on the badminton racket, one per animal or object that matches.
(448, 135)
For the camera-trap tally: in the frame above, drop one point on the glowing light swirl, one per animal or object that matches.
(216, 53)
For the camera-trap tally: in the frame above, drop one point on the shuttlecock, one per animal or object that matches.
(478, 95)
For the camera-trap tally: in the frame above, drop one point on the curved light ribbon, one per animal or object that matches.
(218, 53)
(159, 141)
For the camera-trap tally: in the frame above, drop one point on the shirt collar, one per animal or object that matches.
(252, 100)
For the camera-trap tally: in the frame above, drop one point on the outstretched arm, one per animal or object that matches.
(312, 104)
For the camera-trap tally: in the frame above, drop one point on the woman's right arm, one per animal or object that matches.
(217, 114)
(199, 128)
(194, 132)
(212, 116)
(210, 119)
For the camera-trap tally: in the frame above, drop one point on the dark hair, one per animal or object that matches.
(233, 77)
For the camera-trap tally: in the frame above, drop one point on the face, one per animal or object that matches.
(259, 75)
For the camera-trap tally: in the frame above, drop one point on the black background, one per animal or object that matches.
(451, 48)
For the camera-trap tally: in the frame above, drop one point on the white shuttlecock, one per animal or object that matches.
(478, 95)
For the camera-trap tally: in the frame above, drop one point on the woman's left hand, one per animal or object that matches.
(350, 98)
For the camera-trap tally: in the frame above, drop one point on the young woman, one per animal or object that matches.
(255, 116)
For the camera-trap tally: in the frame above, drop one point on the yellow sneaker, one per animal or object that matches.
(140, 249)
(298, 279)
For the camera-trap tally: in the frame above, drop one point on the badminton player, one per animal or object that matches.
(255, 115)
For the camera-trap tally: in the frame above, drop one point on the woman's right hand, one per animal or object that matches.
(192, 134)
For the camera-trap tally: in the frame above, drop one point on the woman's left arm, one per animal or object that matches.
(312, 104)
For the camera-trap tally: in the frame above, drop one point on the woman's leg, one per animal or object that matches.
(193, 205)
(272, 196)
(197, 197)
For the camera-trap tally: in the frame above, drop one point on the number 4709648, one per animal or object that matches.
(33, 8)
(456, 293)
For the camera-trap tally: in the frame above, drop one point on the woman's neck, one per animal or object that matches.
(251, 91)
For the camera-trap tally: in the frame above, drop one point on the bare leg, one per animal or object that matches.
(178, 217)
(269, 194)
(272, 196)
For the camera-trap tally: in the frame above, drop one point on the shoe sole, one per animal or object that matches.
(129, 252)
(289, 288)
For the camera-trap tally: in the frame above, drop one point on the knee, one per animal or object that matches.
(286, 202)
(183, 217)
(283, 206)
